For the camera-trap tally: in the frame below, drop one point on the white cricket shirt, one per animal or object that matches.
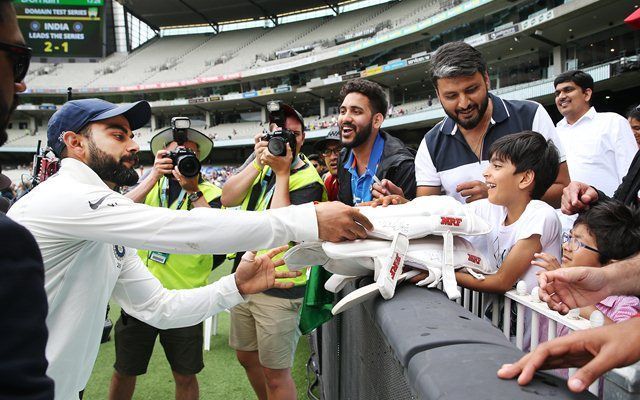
(88, 234)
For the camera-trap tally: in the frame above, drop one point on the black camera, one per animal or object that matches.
(186, 160)
(278, 139)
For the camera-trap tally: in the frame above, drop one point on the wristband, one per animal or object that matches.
(256, 165)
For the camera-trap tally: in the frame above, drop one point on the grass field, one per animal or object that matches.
(222, 377)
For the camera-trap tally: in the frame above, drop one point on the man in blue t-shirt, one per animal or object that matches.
(372, 159)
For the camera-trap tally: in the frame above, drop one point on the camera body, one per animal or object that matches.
(278, 139)
(185, 159)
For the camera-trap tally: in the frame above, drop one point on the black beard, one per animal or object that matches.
(473, 122)
(110, 170)
(5, 114)
(360, 136)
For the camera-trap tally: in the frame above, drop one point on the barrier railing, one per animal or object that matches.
(420, 345)
(479, 304)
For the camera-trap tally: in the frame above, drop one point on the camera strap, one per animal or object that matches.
(164, 195)
(258, 190)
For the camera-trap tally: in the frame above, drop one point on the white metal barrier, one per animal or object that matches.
(479, 303)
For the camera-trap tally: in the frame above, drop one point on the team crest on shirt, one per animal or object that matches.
(119, 253)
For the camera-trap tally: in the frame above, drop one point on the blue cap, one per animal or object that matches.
(76, 114)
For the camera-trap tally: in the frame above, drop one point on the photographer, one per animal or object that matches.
(264, 330)
(166, 186)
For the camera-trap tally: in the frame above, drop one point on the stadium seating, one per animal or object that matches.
(176, 58)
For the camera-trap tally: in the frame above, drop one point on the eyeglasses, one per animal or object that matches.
(21, 57)
(574, 244)
(328, 152)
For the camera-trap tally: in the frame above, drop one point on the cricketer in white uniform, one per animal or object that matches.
(88, 234)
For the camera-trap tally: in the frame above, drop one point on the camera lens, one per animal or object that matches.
(188, 165)
(277, 147)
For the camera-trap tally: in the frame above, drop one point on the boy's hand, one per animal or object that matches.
(472, 191)
(546, 261)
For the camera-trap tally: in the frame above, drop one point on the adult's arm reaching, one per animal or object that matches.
(577, 196)
(144, 297)
(567, 288)
(594, 351)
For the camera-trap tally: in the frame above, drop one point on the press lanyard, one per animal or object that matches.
(164, 195)
(264, 195)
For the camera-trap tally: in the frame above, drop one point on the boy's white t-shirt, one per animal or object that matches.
(538, 218)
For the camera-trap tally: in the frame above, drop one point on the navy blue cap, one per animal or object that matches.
(76, 114)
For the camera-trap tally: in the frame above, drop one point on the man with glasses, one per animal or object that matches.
(24, 334)
(599, 146)
(601, 236)
(329, 148)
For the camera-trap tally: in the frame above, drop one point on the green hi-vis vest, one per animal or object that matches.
(180, 271)
(299, 179)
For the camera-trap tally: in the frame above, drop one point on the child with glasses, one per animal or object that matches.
(607, 232)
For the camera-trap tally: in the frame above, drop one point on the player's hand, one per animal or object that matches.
(256, 274)
(576, 197)
(338, 222)
(393, 199)
(567, 288)
(473, 190)
(546, 261)
(162, 165)
(190, 185)
(281, 165)
(259, 147)
(385, 188)
(595, 351)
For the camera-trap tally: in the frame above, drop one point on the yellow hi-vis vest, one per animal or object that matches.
(299, 179)
(180, 271)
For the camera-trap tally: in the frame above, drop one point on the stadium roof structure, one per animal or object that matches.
(173, 13)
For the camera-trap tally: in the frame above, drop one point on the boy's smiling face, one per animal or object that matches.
(502, 180)
(581, 257)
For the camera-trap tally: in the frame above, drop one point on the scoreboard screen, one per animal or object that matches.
(62, 28)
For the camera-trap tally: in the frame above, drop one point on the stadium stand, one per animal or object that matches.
(176, 58)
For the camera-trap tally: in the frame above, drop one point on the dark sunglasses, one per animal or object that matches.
(21, 57)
